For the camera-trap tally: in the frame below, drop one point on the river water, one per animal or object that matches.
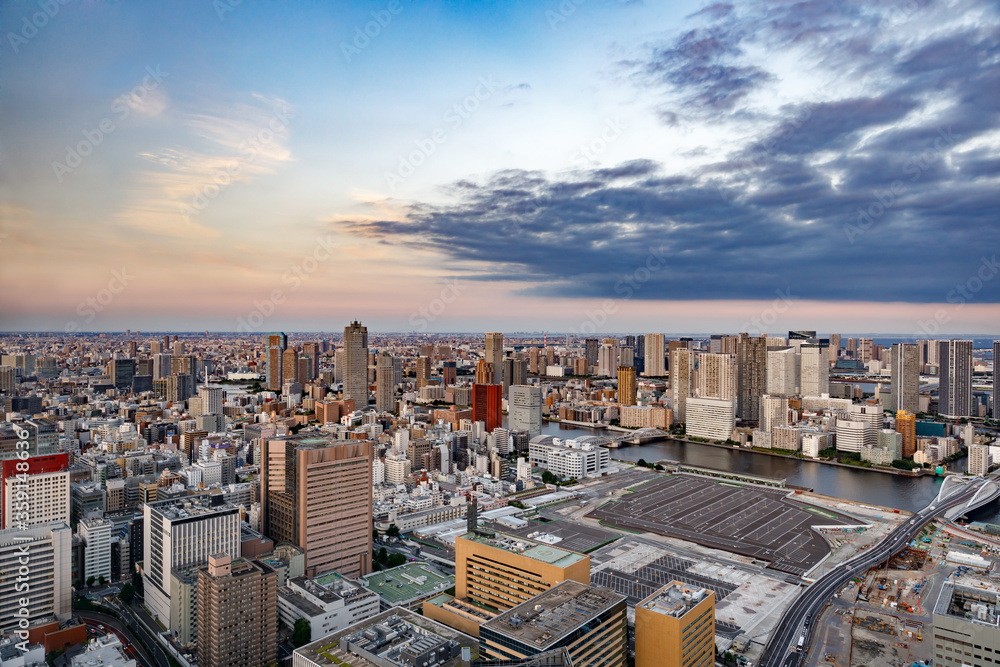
(863, 486)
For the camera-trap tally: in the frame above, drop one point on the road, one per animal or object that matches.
(779, 651)
(93, 619)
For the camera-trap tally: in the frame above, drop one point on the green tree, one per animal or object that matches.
(100, 580)
(395, 560)
(382, 556)
(393, 531)
(549, 478)
(302, 633)
(127, 594)
(642, 462)
(90, 580)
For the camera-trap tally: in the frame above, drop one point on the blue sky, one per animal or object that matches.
(464, 166)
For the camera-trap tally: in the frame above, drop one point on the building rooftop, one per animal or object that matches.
(519, 545)
(675, 599)
(187, 507)
(406, 583)
(394, 637)
(548, 617)
(975, 605)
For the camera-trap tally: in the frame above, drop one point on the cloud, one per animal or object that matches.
(222, 147)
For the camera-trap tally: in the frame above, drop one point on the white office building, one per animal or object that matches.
(852, 435)
(96, 534)
(710, 418)
(43, 498)
(655, 355)
(582, 457)
(525, 409)
(814, 366)
(47, 548)
(773, 412)
(782, 371)
(979, 460)
(180, 533)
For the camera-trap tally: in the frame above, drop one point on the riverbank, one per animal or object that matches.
(891, 471)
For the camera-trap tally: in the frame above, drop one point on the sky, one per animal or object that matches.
(575, 165)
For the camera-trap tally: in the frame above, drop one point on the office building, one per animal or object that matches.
(655, 352)
(955, 375)
(904, 359)
(423, 371)
(179, 533)
(494, 355)
(681, 367)
(276, 344)
(96, 534)
(316, 493)
(502, 571)
(42, 490)
(385, 387)
(161, 365)
(675, 627)
(525, 409)
(121, 372)
(966, 626)
(515, 372)
(356, 364)
(782, 371)
(591, 346)
(590, 623)
(608, 358)
(487, 405)
(48, 589)
(237, 612)
(751, 375)
(571, 459)
(866, 350)
(8, 380)
(834, 347)
(996, 380)
(814, 367)
(710, 418)
(627, 385)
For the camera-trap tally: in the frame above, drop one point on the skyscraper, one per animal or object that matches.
(751, 375)
(591, 346)
(485, 372)
(487, 403)
(290, 365)
(716, 376)
(356, 364)
(655, 355)
(906, 425)
(814, 376)
(905, 363)
(955, 375)
(626, 385)
(494, 354)
(423, 371)
(681, 365)
(834, 347)
(276, 344)
(996, 380)
(782, 371)
(526, 409)
(237, 612)
(316, 492)
(675, 627)
(384, 383)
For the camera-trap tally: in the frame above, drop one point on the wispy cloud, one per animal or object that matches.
(222, 146)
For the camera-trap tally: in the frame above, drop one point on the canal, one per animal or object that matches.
(863, 486)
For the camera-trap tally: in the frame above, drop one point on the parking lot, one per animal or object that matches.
(754, 521)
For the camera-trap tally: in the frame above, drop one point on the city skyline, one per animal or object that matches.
(603, 166)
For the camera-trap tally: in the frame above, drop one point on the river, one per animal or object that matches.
(863, 486)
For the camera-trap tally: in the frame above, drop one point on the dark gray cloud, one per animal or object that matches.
(888, 195)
